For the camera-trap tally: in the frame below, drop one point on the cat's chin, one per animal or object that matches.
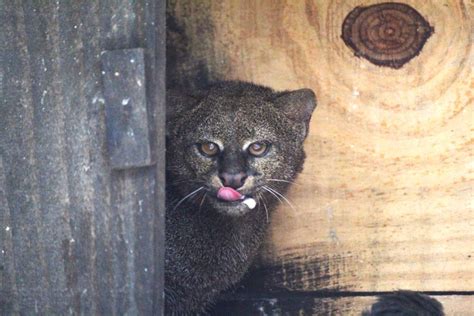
(232, 209)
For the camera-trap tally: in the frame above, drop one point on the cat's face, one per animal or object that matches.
(240, 137)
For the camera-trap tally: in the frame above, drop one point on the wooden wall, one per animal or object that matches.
(76, 237)
(385, 199)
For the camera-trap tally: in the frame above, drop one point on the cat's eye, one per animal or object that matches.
(208, 149)
(258, 149)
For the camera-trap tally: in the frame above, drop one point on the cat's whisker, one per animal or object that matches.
(257, 198)
(266, 210)
(283, 197)
(202, 201)
(277, 197)
(187, 196)
(171, 203)
(280, 180)
(194, 199)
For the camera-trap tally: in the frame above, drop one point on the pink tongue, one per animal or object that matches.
(228, 194)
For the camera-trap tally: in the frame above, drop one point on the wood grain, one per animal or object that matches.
(123, 75)
(76, 237)
(385, 199)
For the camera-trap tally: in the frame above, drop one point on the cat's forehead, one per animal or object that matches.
(234, 112)
(236, 121)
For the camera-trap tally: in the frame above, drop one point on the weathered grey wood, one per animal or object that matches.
(81, 234)
(88, 184)
(156, 33)
(19, 160)
(125, 108)
(8, 290)
(132, 196)
(48, 127)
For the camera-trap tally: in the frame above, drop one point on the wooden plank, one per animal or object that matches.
(79, 45)
(132, 227)
(125, 106)
(385, 198)
(155, 33)
(313, 305)
(8, 288)
(456, 304)
(137, 267)
(19, 162)
(48, 129)
(68, 214)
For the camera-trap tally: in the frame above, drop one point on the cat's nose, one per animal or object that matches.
(233, 180)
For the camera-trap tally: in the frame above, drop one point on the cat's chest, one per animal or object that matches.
(213, 245)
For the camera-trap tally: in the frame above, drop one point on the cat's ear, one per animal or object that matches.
(298, 106)
(178, 103)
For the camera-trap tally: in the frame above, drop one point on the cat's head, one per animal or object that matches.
(236, 141)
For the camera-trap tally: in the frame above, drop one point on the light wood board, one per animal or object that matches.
(385, 200)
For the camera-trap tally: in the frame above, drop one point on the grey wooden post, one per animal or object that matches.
(78, 235)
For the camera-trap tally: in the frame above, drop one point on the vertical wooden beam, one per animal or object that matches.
(82, 237)
(48, 127)
(8, 288)
(157, 32)
(17, 143)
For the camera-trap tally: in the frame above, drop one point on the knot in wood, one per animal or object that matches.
(386, 34)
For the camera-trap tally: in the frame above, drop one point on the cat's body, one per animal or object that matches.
(233, 139)
(214, 254)
(232, 143)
